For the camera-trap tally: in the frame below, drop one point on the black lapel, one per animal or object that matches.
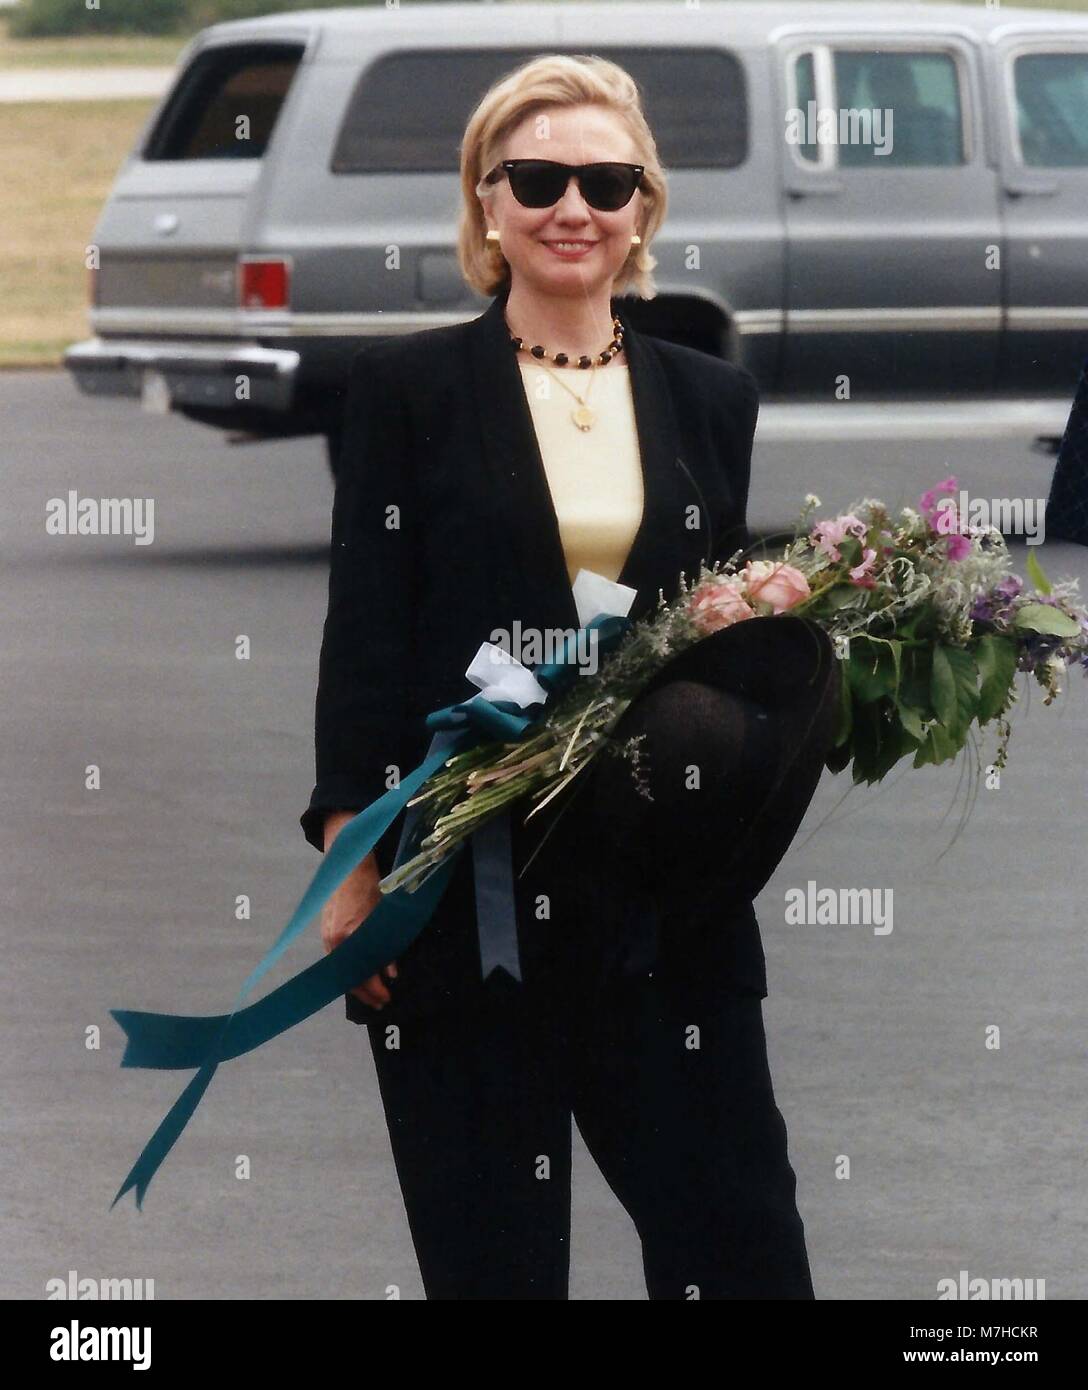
(515, 473)
(657, 551)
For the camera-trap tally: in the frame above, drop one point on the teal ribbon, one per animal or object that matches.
(493, 873)
(175, 1041)
(496, 904)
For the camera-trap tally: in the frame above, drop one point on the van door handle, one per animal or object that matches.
(1031, 188)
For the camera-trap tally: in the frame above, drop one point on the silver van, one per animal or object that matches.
(296, 193)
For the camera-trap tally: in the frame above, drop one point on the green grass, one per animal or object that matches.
(111, 50)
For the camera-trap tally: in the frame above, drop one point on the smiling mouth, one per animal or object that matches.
(571, 245)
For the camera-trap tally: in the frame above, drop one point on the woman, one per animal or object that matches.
(1067, 505)
(481, 468)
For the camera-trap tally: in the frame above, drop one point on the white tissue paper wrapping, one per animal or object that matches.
(500, 676)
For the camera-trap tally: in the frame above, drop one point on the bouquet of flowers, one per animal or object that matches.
(925, 614)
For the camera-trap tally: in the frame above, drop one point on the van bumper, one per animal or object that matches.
(166, 373)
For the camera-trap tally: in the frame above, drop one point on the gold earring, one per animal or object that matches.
(636, 240)
(492, 235)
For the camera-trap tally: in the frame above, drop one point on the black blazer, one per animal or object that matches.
(1067, 506)
(438, 426)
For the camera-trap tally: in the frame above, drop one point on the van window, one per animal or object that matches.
(1052, 109)
(226, 103)
(804, 76)
(920, 90)
(694, 99)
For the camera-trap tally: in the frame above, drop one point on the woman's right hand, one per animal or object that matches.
(348, 908)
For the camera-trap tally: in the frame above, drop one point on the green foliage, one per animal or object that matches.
(205, 12)
(53, 18)
(1036, 574)
(954, 689)
(996, 658)
(838, 596)
(871, 727)
(898, 700)
(50, 18)
(845, 718)
(874, 667)
(1041, 617)
(939, 747)
(879, 740)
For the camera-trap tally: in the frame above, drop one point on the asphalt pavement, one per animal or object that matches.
(121, 657)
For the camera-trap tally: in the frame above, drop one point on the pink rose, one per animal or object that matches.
(718, 604)
(780, 585)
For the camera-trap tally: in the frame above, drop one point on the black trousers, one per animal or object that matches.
(675, 1104)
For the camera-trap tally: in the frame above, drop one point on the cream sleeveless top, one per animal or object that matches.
(594, 475)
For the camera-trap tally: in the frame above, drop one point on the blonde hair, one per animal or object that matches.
(554, 80)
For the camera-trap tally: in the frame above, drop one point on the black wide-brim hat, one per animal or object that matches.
(735, 731)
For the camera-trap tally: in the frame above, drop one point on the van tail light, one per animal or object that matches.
(263, 282)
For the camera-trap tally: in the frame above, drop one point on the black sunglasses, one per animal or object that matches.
(538, 183)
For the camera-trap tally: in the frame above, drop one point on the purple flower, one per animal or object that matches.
(996, 605)
(1009, 588)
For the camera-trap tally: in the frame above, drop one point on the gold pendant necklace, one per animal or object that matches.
(582, 415)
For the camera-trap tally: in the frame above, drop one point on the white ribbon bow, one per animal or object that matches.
(501, 676)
